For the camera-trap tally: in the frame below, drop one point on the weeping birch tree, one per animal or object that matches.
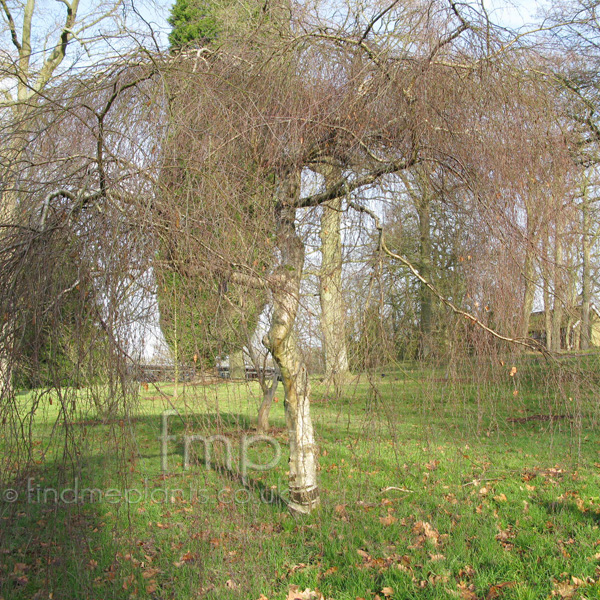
(257, 113)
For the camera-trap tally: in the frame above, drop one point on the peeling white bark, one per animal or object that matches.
(282, 343)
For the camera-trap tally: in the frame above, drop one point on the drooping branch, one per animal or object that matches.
(343, 187)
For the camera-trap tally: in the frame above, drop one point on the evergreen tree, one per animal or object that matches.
(194, 22)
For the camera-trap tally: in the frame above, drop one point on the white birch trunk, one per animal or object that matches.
(282, 343)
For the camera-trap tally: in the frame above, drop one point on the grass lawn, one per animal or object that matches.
(430, 487)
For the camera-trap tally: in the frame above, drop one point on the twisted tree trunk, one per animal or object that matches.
(282, 343)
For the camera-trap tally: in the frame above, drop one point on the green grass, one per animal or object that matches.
(430, 488)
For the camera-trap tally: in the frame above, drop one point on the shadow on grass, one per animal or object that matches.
(107, 545)
(570, 508)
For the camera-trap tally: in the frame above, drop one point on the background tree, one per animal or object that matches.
(36, 44)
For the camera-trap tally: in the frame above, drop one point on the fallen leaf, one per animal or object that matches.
(427, 530)
(388, 520)
(387, 592)
(295, 594)
(436, 557)
(467, 592)
(467, 572)
(496, 590)
(128, 581)
(188, 557)
(564, 590)
(149, 573)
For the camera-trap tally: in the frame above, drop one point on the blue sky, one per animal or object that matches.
(515, 14)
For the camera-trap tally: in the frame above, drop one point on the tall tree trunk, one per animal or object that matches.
(586, 291)
(268, 391)
(282, 343)
(529, 292)
(546, 288)
(267, 402)
(8, 218)
(237, 366)
(425, 298)
(333, 317)
(176, 353)
(6, 388)
(557, 312)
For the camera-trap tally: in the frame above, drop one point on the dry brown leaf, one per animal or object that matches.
(128, 581)
(466, 591)
(149, 573)
(151, 587)
(426, 529)
(295, 593)
(564, 590)
(388, 520)
(467, 571)
(496, 590)
(388, 592)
